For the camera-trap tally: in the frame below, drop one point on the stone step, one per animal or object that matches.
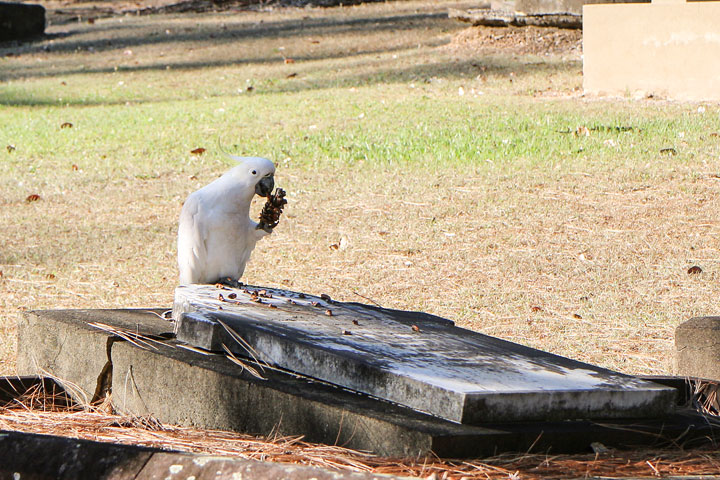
(416, 360)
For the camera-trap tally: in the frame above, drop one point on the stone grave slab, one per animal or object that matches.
(413, 359)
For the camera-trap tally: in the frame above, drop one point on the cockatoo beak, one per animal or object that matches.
(265, 186)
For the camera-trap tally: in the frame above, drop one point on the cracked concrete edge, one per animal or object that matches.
(73, 352)
(71, 355)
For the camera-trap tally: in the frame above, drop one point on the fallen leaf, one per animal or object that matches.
(232, 296)
(315, 41)
(328, 312)
(50, 276)
(714, 134)
(74, 168)
(289, 60)
(355, 322)
(250, 88)
(694, 270)
(415, 328)
(536, 309)
(577, 315)
(292, 75)
(32, 198)
(91, 20)
(192, 177)
(347, 332)
(10, 148)
(66, 125)
(582, 131)
(334, 246)
(198, 151)
(669, 151)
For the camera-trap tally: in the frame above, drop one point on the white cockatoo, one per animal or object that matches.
(216, 234)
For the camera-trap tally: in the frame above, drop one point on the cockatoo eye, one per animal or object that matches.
(254, 172)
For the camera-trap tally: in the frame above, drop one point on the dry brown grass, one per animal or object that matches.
(573, 264)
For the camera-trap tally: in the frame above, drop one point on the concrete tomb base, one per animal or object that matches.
(668, 48)
(94, 352)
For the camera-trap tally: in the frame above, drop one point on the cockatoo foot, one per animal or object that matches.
(229, 282)
(264, 226)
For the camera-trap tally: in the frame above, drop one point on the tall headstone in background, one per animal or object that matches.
(668, 48)
(19, 21)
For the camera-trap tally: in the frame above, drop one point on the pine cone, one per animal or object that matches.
(270, 214)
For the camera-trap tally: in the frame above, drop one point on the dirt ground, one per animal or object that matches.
(521, 40)
(488, 40)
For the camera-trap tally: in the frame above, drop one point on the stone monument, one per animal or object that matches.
(667, 48)
(19, 21)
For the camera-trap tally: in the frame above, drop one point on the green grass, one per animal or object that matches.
(490, 207)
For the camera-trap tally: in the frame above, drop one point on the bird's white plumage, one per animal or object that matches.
(216, 234)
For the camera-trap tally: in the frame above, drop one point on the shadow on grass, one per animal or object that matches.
(233, 31)
(231, 37)
(419, 73)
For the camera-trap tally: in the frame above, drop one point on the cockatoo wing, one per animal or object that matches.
(192, 246)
